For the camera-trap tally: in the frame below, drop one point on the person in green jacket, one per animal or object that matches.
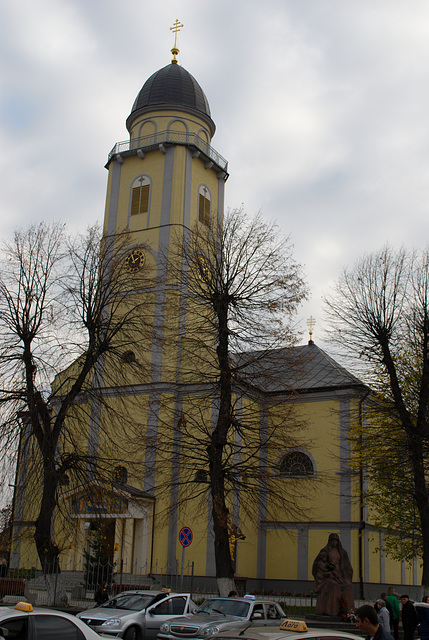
(394, 603)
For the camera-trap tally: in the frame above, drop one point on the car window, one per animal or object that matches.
(161, 609)
(228, 606)
(131, 601)
(179, 604)
(55, 627)
(14, 629)
(259, 608)
(273, 613)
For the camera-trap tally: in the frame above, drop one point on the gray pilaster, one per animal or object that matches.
(174, 490)
(302, 560)
(151, 439)
(345, 474)
(382, 559)
(210, 554)
(262, 498)
(164, 239)
(112, 214)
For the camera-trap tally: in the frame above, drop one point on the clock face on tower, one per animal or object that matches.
(134, 260)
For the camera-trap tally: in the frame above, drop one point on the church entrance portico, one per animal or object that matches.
(114, 526)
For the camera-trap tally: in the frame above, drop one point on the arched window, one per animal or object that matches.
(140, 195)
(296, 463)
(204, 205)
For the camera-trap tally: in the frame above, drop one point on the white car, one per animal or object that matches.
(288, 630)
(23, 622)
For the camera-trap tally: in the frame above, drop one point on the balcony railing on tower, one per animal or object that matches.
(161, 140)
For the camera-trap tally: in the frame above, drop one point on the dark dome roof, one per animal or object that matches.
(172, 87)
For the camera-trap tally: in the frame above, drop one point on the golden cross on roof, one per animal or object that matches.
(310, 324)
(175, 28)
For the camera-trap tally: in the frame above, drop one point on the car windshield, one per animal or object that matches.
(228, 606)
(131, 601)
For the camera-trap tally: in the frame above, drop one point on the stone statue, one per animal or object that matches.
(333, 574)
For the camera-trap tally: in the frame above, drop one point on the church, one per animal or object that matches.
(165, 177)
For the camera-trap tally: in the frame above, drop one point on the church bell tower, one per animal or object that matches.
(166, 177)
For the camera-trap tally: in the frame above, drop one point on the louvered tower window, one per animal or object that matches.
(140, 196)
(204, 206)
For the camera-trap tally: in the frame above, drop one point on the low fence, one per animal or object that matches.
(76, 588)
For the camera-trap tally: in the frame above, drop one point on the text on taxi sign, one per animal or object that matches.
(294, 625)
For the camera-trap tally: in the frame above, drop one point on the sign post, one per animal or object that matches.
(185, 539)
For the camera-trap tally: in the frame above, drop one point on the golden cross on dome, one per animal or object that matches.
(175, 28)
(310, 324)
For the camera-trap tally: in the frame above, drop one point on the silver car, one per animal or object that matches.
(134, 615)
(222, 614)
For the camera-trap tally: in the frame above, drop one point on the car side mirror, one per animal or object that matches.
(257, 615)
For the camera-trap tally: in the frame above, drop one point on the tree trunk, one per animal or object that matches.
(47, 550)
(225, 586)
(416, 449)
(422, 502)
(224, 567)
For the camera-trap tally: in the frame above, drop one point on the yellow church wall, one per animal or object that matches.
(318, 434)
(178, 187)
(124, 421)
(354, 554)
(374, 564)
(392, 572)
(153, 166)
(247, 549)
(200, 175)
(282, 554)
(169, 121)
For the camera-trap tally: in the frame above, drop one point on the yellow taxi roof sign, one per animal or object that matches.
(165, 590)
(294, 625)
(24, 606)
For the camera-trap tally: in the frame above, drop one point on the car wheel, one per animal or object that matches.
(133, 633)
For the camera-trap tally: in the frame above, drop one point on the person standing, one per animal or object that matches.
(367, 622)
(3, 568)
(396, 613)
(383, 614)
(101, 595)
(422, 610)
(409, 618)
(388, 606)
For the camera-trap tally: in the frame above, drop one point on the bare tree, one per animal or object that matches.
(379, 311)
(237, 289)
(62, 302)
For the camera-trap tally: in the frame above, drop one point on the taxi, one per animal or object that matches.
(23, 622)
(288, 630)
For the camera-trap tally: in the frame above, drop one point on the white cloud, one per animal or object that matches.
(320, 105)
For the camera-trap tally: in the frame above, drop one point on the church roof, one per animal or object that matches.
(305, 368)
(175, 88)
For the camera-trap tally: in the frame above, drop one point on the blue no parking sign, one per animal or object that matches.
(185, 536)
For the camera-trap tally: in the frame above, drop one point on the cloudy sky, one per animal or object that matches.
(321, 107)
